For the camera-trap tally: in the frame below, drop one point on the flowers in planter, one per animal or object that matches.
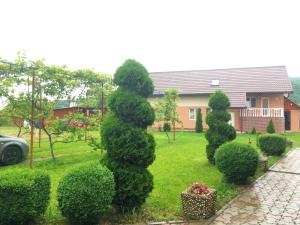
(198, 201)
(198, 189)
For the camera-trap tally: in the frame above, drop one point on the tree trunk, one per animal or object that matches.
(51, 150)
(167, 136)
(19, 132)
(50, 143)
(174, 131)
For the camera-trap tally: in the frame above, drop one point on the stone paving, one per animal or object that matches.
(273, 199)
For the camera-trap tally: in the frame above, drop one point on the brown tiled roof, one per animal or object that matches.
(234, 82)
(237, 99)
(249, 80)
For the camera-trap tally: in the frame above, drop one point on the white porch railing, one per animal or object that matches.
(262, 112)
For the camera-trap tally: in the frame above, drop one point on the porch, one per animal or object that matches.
(258, 118)
(262, 112)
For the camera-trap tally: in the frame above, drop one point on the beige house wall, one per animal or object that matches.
(275, 100)
(195, 101)
(295, 120)
(185, 103)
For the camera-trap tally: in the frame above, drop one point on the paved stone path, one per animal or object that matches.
(273, 199)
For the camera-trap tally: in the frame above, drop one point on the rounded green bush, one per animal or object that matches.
(24, 195)
(128, 144)
(141, 113)
(219, 101)
(133, 76)
(167, 127)
(237, 161)
(85, 193)
(272, 144)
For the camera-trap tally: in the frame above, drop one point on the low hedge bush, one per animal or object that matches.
(85, 193)
(237, 161)
(24, 195)
(272, 144)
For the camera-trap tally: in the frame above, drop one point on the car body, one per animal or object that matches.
(12, 149)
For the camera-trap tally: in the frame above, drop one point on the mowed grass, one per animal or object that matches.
(178, 164)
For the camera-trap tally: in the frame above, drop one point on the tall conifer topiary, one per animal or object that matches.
(219, 130)
(199, 127)
(130, 149)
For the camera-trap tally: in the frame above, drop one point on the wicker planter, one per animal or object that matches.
(199, 206)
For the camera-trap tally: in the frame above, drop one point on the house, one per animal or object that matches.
(63, 112)
(256, 94)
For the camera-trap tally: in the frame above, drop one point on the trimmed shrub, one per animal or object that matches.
(270, 127)
(167, 127)
(85, 193)
(237, 161)
(141, 113)
(219, 130)
(24, 195)
(272, 144)
(138, 179)
(199, 127)
(130, 149)
(133, 76)
(253, 131)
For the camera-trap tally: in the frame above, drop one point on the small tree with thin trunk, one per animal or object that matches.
(219, 130)
(165, 111)
(199, 127)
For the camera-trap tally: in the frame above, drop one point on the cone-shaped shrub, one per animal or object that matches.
(270, 127)
(219, 130)
(199, 127)
(130, 149)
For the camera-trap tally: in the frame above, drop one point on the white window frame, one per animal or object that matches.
(195, 112)
(249, 105)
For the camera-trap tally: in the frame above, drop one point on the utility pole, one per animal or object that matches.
(174, 116)
(32, 120)
(40, 116)
(102, 100)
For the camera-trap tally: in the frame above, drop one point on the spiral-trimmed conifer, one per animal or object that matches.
(130, 149)
(219, 130)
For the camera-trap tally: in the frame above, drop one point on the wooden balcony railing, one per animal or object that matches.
(262, 112)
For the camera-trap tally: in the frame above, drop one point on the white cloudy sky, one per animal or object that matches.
(162, 34)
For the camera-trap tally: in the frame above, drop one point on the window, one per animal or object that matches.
(192, 114)
(251, 102)
(215, 83)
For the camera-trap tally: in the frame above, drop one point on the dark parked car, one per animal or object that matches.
(12, 149)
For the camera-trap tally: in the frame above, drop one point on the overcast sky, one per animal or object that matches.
(162, 34)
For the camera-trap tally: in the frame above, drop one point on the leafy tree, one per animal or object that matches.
(130, 149)
(219, 130)
(55, 83)
(165, 111)
(270, 127)
(199, 127)
(18, 111)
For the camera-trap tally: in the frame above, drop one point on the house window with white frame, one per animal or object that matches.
(251, 102)
(192, 114)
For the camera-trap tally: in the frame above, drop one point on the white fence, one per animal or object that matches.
(262, 112)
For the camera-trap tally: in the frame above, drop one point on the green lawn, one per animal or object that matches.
(177, 165)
